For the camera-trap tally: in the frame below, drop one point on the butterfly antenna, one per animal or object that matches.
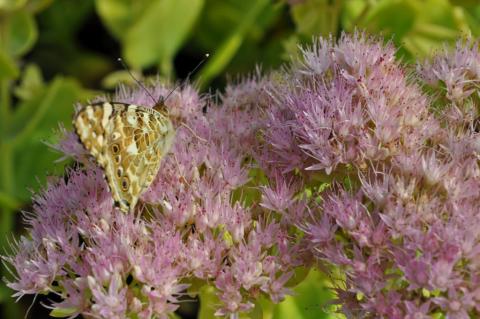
(162, 99)
(136, 80)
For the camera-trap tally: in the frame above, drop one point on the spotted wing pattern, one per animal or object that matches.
(128, 142)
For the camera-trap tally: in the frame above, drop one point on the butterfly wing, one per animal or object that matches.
(128, 142)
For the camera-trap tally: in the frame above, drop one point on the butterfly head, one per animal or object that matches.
(160, 106)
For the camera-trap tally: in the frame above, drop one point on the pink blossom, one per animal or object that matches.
(341, 160)
(193, 223)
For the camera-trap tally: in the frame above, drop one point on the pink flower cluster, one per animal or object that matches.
(397, 154)
(346, 157)
(194, 225)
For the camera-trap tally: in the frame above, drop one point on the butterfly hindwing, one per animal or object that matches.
(128, 142)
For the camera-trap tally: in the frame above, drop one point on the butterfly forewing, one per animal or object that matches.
(128, 142)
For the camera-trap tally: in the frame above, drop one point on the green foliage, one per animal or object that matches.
(309, 301)
(62, 312)
(317, 17)
(151, 31)
(21, 33)
(416, 27)
(50, 54)
(29, 111)
(8, 68)
(52, 104)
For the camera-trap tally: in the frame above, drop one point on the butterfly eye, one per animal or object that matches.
(125, 184)
(119, 172)
(115, 148)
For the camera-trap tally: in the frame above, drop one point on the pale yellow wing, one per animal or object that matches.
(128, 142)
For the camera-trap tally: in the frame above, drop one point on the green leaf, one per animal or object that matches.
(119, 15)
(159, 32)
(353, 14)
(255, 313)
(230, 46)
(469, 23)
(267, 307)
(31, 84)
(21, 33)
(299, 276)
(32, 125)
(221, 17)
(35, 6)
(309, 301)
(62, 20)
(416, 27)
(10, 5)
(317, 17)
(10, 202)
(5, 293)
(392, 17)
(208, 300)
(466, 3)
(63, 312)
(8, 69)
(194, 287)
(112, 80)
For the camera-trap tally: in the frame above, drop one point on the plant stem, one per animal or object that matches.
(7, 201)
(4, 105)
(6, 162)
(7, 187)
(230, 46)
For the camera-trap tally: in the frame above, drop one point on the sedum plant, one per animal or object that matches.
(194, 228)
(346, 161)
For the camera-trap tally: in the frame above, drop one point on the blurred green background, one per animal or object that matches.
(54, 53)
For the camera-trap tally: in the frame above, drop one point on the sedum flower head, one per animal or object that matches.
(399, 212)
(346, 159)
(193, 225)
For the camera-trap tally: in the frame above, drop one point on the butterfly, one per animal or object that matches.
(128, 142)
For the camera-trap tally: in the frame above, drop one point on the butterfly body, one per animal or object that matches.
(128, 141)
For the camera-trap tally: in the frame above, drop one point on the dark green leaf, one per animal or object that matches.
(62, 20)
(5, 293)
